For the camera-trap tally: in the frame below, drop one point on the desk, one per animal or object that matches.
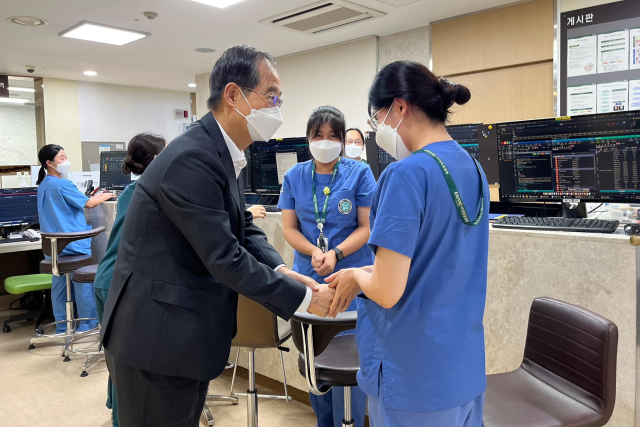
(595, 271)
(20, 247)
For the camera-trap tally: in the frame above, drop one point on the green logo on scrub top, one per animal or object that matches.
(345, 206)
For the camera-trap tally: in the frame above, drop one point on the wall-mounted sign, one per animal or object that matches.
(4, 86)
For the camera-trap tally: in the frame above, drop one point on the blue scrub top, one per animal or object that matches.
(104, 274)
(61, 210)
(353, 187)
(430, 345)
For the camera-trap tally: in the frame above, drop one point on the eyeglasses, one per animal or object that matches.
(274, 100)
(373, 122)
(354, 141)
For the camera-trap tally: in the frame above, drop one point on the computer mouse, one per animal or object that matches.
(632, 229)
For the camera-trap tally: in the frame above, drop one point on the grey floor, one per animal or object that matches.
(38, 389)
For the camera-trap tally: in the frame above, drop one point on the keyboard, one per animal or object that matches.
(557, 224)
(20, 239)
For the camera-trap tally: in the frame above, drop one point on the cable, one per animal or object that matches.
(595, 209)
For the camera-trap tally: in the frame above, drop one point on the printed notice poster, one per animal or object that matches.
(613, 97)
(581, 100)
(582, 53)
(634, 94)
(634, 49)
(613, 51)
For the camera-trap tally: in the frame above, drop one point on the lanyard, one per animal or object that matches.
(455, 195)
(320, 219)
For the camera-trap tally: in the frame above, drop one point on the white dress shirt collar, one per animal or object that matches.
(237, 156)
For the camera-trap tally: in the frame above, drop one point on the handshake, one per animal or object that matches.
(328, 300)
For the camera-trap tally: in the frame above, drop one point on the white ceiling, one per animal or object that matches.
(167, 59)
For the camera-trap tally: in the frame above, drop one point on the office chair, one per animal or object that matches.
(52, 245)
(327, 360)
(568, 374)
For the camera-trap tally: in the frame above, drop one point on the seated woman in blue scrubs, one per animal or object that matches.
(142, 149)
(331, 233)
(354, 145)
(61, 210)
(420, 334)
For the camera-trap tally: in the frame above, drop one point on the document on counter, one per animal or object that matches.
(613, 51)
(634, 94)
(582, 53)
(285, 161)
(634, 49)
(581, 100)
(613, 97)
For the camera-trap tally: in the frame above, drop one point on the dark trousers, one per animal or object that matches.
(146, 399)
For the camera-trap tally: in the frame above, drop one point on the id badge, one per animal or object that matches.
(323, 243)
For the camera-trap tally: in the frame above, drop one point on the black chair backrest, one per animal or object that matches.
(65, 238)
(574, 351)
(324, 329)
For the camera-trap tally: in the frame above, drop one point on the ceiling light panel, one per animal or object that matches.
(219, 3)
(99, 33)
(90, 73)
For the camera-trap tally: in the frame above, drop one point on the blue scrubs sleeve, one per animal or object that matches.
(72, 195)
(398, 215)
(366, 188)
(286, 196)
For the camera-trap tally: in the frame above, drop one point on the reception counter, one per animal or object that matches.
(597, 272)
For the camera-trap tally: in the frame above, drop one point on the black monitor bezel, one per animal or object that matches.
(613, 199)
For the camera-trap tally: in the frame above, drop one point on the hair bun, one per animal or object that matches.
(131, 166)
(453, 92)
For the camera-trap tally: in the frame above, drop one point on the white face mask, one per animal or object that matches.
(325, 151)
(388, 139)
(262, 123)
(64, 167)
(352, 151)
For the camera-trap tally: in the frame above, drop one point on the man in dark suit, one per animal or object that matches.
(189, 247)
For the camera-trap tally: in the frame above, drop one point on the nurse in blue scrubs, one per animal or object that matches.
(330, 233)
(61, 210)
(420, 334)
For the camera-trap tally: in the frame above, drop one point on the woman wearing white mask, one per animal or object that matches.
(354, 145)
(325, 215)
(61, 210)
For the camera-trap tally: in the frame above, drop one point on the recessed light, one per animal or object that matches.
(90, 73)
(27, 21)
(205, 50)
(93, 32)
(219, 3)
(14, 101)
(21, 89)
(191, 85)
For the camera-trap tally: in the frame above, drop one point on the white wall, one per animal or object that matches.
(114, 113)
(18, 141)
(338, 75)
(569, 5)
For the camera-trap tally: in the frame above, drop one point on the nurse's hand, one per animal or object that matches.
(258, 211)
(327, 263)
(307, 281)
(346, 287)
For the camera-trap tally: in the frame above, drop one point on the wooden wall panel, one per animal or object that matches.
(517, 93)
(508, 36)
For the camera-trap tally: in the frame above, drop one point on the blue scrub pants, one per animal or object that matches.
(112, 400)
(467, 415)
(81, 294)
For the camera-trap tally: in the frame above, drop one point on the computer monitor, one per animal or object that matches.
(467, 137)
(111, 175)
(593, 158)
(18, 206)
(246, 173)
(271, 160)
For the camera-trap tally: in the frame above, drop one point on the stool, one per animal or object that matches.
(567, 377)
(88, 275)
(327, 360)
(258, 328)
(17, 285)
(52, 245)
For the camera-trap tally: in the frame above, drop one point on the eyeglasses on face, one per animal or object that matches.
(273, 100)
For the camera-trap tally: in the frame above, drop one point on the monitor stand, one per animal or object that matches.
(573, 209)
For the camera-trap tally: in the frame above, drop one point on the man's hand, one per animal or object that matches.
(346, 286)
(327, 263)
(258, 211)
(307, 281)
(321, 301)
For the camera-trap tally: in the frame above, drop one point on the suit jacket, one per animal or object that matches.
(188, 247)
